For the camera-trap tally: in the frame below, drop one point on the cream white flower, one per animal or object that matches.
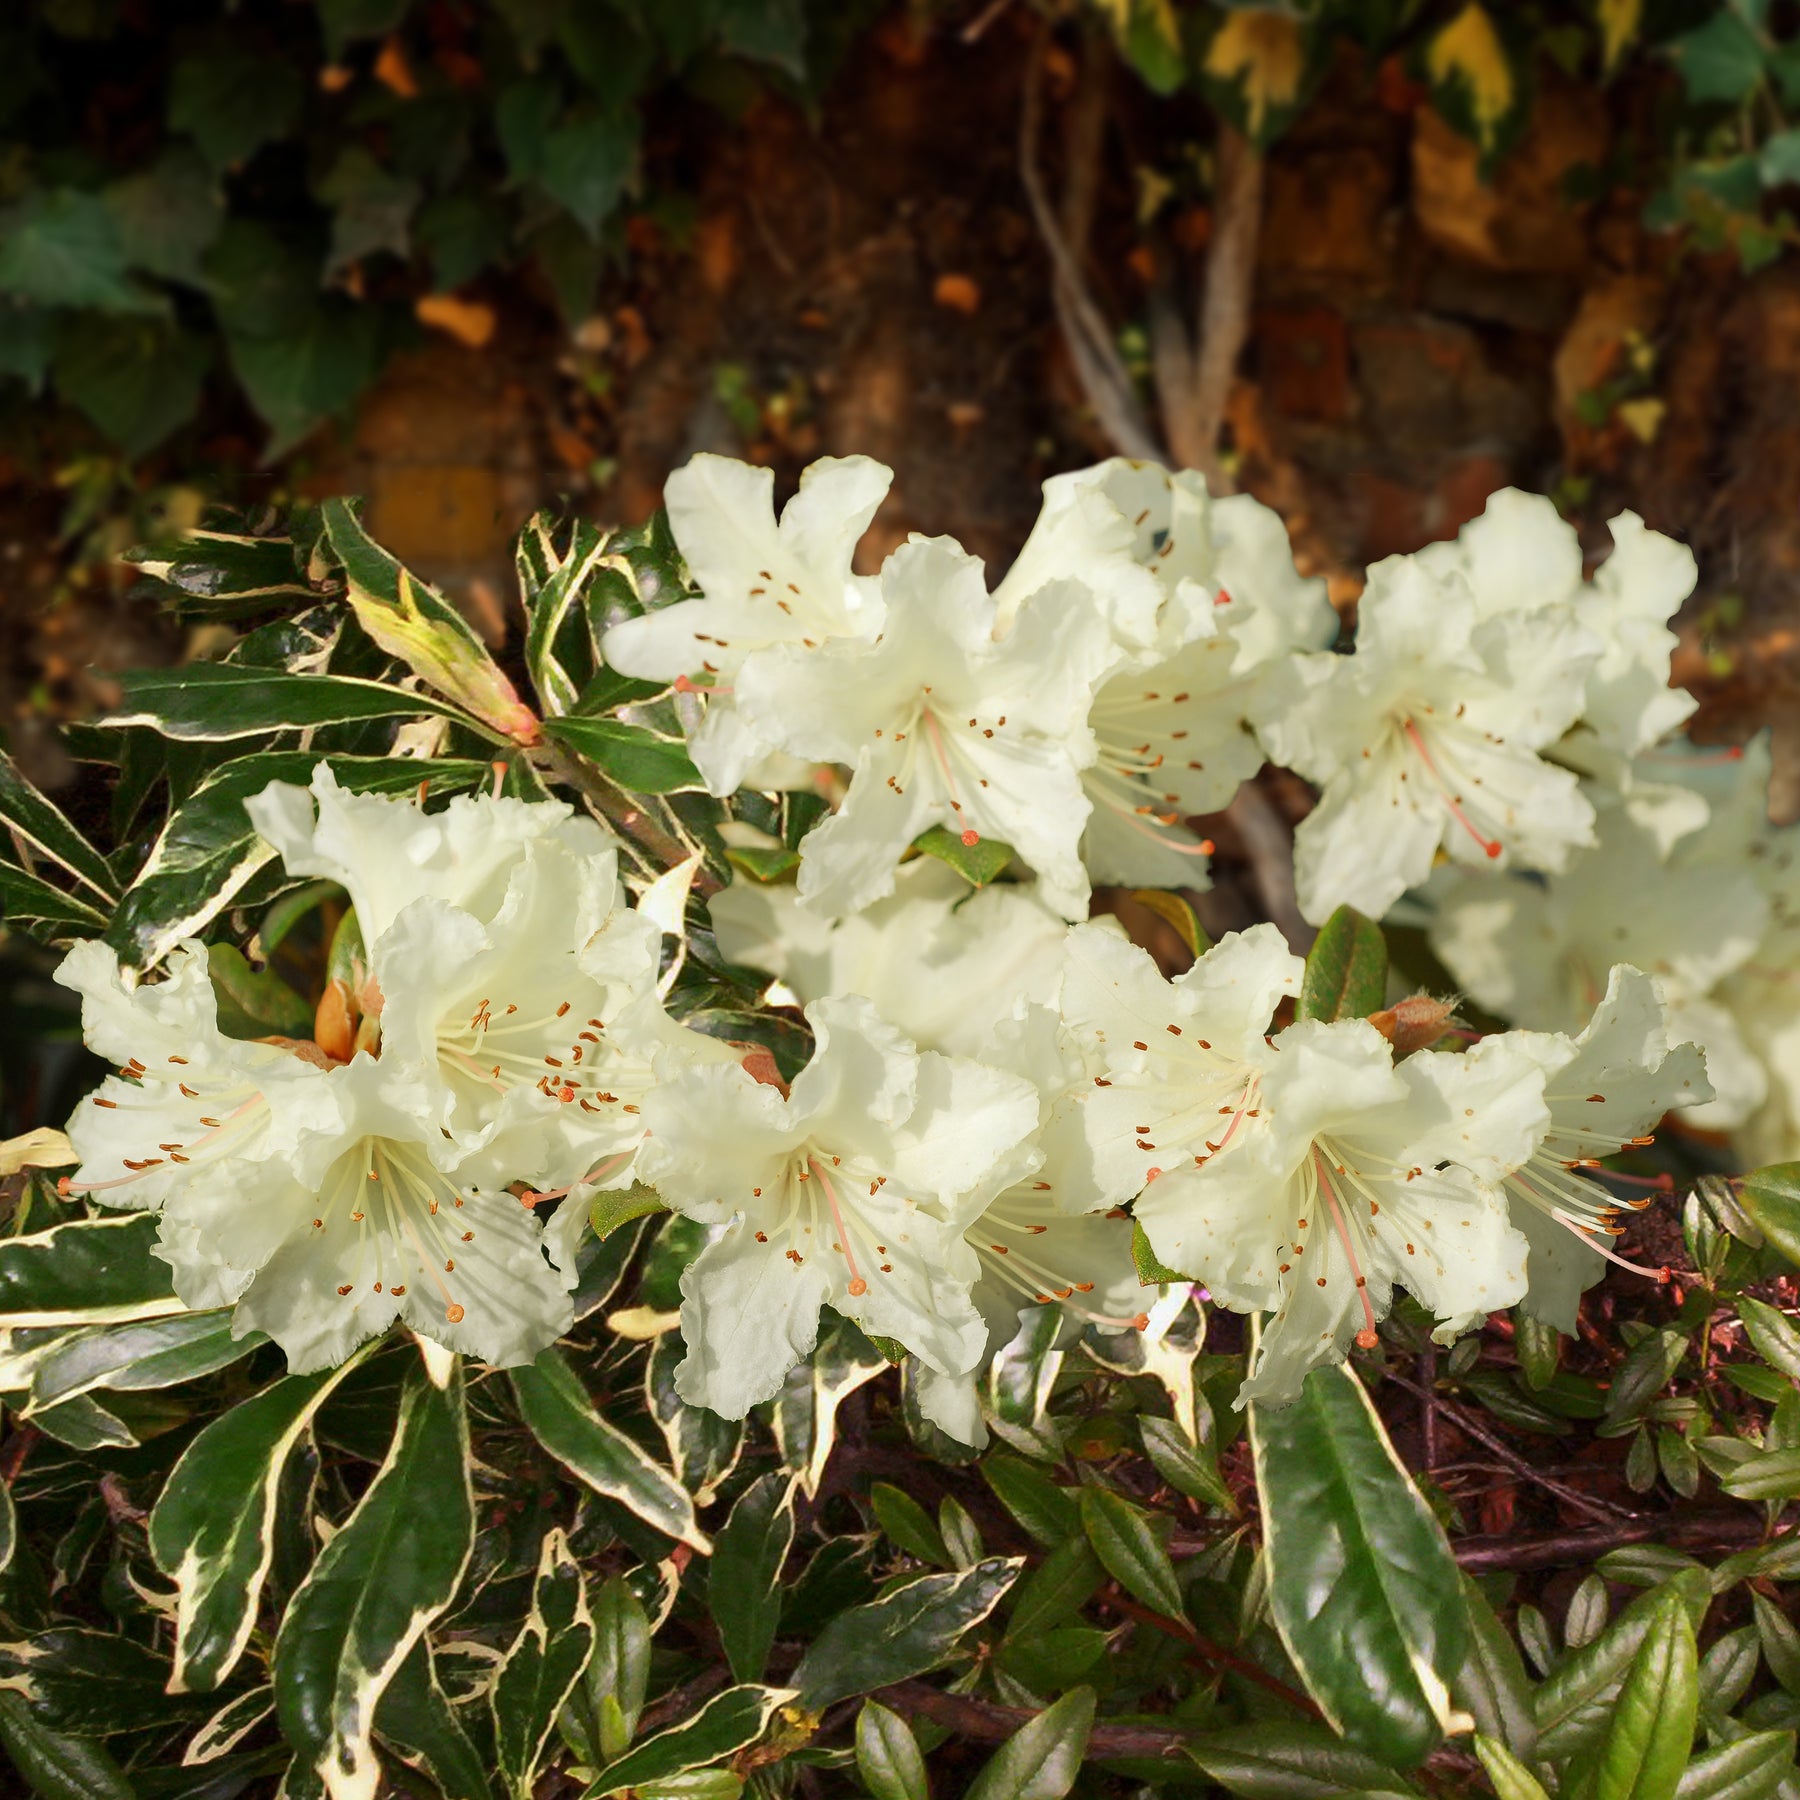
(1168, 1064)
(322, 1203)
(1346, 1176)
(761, 582)
(853, 1190)
(942, 963)
(1539, 952)
(1603, 1090)
(506, 961)
(1427, 737)
(942, 726)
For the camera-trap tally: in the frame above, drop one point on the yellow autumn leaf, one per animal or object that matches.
(1468, 50)
(1264, 54)
(1619, 22)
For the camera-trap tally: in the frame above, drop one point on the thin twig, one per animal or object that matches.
(1104, 377)
(1713, 1529)
(988, 1723)
(1269, 844)
(1470, 1426)
(1209, 1650)
(1224, 321)
(1428, 1406)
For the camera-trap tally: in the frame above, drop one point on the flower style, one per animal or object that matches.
(853, 1189)
(1347, 1176)
(761, 583)
(1427, 736)
(322, 1203)
(505, 961)
(1603, 1089)
(1539, 952)
(943, 726)
(943, 964)
(1169, 1065)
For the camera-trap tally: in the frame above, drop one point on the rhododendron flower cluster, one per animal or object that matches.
(1007, 1104)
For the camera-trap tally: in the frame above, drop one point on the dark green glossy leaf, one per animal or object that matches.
(913, 1629)
(887, 1755)
(1041, 1759)
(1770, 1475)
(1292, 1759)
(1039, 1505)
(1056, 1589)
(1492, 1686)
(1346, 969)
(416, 1721)
(393, 1568)
(254, 1003)
(1771, 1197)
(703, 1447)
(1643, 1374)
(977, 863)
(907, 1525)
(1189, 1469)
(743, 1585)
(55, 1766)
(1646, 1747)
(563, 1419)
(1756, 1767)
(1362, 1585)
(639, 760)
(1510, 1777)
(1129, 1550)
(222, 574)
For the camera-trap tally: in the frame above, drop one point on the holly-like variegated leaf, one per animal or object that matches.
(39, 828)
(27, 900)
(89, 1683)
(727, 1723)
(556, 564)
(703, 1447)
(145, 1353)
(743, 1583)
(416, 1721)
(225, 575)
(410, 620)
(212, 1530)
(908, 1631)
(208, 851)
(806, 1408)
(1024, 1370)
(562, 1418)
(543, 1665)
(230, 1725)
(87, 1272)
(1362, 1584)
(390, 1571)
(211, 702)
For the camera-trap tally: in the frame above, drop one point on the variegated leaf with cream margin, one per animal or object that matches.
(543, 1664)
(391, 1569)
(212, 1530)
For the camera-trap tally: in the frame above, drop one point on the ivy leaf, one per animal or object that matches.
(27, 335)
(1346, 969)
(1362, 1585)
(1721, 61)
(344, 21)
(168, 216)
(231, 100)
(137, 379)
(584, 164)
(371, 209)
(62, 247)
(301, 378)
